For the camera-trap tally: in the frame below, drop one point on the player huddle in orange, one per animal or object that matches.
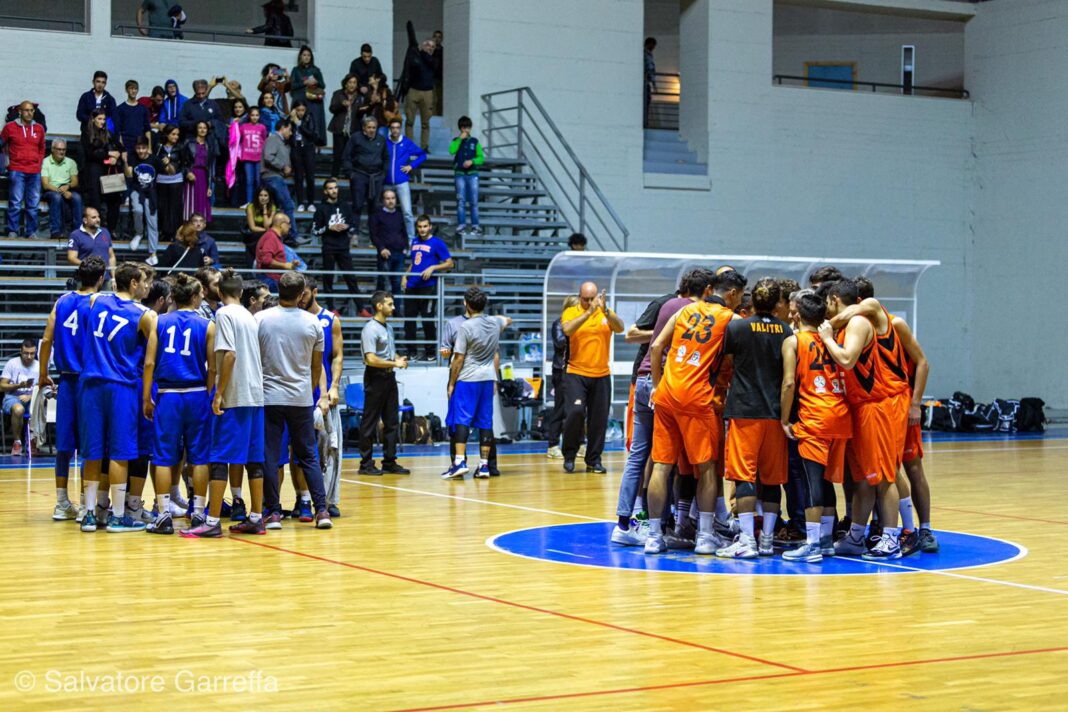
(771, 387)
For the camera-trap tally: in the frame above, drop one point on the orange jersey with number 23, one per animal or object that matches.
(695, 353)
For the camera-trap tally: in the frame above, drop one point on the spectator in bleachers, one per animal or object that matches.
(390, 238)
(439, 72)
(144, 170)
(334, 226)
(276, 166)
(307, 85)
(577, 242)
(131, 121)
(364, 161)
(183, 254)
(201, 108)
(430, 255)
(16, 382)
(170, 181)
(94, 99)
(59, 181)
(235, 178)
(206, 242)
(344, 104)
(649, 77)
(154, 104)
(253, 138)
(379, 103)
(275, 80)
(302, 153)
(259, 215)
(420, 97)
(467, 157)
(269, 114)
(364, 66)
(276, 26)
(103, 156)
(404, 157)
(153, 19)
(198, 160)
(25, 142)
(173, 101)
(271, 252)
(91, 239)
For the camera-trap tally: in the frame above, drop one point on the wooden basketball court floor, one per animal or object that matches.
(404, 606)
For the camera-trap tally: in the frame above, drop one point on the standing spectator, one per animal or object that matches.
(154, 104)
(380, 103)
(390, 239)
(420, 71)
(649, 77)
(343, 105)
(275, 80)
(253, 138)
(16, 382)
(235, 178)
(198, 158)
(183, 255)
(587, 381)
(269, 114)
(59, 181)
(334, 226)
(207, 245)
(103, 156)
(259, 216)
(271, 251)
(439, 72)
(276, 166)
(91, 239)
(380, 396)
(467, 156)
(201, 108)
(404, 157)
(169, 182)
(365, 161)
(25, 141)
(364, 66)
(94, 99)
(173, 101)
(556, 417)
(302, 154)
(131, 121)
(144, 170)
(306, 84)
(577, 242)
(277, 26)
(153, 20)
(430, 255)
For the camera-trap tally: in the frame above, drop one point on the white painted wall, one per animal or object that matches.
(662, 22)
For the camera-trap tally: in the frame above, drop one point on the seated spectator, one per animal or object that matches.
(404, 157)
(154, 104)
(577, 242)
(206, 242)
(302, 154)
(59, 181)
(25, 142)
(173, 101)
(389, 235)
(276, 166)
(364, 66)
(16, 382)
(259, 216)
(91, 239)
(95, 99)
(103, 156)
(269, 114)
(271, 252)
(183, 254)
(131, 121)
(344, 105)
(275, 80)
(467, 157)
(144, 170)
(198, 156)
(307, 85)
(276, 26)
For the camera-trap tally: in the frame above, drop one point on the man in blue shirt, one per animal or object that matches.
(404, 157)
(429, 256)
(91, 239)
(96, 98)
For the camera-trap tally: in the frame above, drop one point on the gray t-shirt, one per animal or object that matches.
(236, 330)
(377, 338)
(448, 331)
(477, 339)
(290, 338)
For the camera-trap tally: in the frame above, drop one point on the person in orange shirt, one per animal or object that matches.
(588, 382)
(823, 425)
(684, 424)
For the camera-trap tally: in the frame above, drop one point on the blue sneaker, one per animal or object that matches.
(123, 524)
(89, 522)
(483, 471)
(305, 511)
(238, 512)
(456, 472)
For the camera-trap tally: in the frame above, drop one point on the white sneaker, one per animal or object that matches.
(708, 544)
(554, 453)
(767, 544)
(301, 208)
(135, 242)
(744, 547)
(654, 544)
(311, 207)
(632, 536)
(152, 260)
(81, 513)
(64, 511)
(806, 553)
(178, 509)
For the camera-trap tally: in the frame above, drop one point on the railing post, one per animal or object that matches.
(582, 202)
(439, 312)
(489, 118)
(519, 124)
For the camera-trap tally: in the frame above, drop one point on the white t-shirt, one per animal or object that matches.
(15, 372)
(237, 330)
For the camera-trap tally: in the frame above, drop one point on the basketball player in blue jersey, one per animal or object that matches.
(117, 329)
(333, 362)
(62, 341)
(177, 363)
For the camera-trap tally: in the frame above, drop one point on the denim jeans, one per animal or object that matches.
(300, 421)
(145, 220)
(404, 197)
(252, 179)
(25, 194)
(393, 263)
(280, 191)
(56, 205)
(641, 445)
(466, 192)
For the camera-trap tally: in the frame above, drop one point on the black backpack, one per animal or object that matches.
(982, 418)
(1006, 415)
(1030, 416)
(941, 415)
(437, 433)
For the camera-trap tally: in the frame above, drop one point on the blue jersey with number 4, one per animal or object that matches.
(181, 350)
(326, 320)
(72, 312)
(114, 349)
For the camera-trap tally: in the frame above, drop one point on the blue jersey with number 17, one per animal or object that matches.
(181, 350)
(114, 349)
(68, 335)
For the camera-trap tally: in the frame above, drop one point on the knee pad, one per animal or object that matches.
(771, 493)
(460, 433)
(687, 485)
(485, 437)
(219, 472)
(829, 498)
(139, 468)
(63, 463)
(744, 489)
(255, 470)
(814, 493)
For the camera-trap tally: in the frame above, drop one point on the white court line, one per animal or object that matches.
(964, 576)
(937, 450)
(569, 553)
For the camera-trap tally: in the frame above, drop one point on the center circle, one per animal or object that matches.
(588, 544)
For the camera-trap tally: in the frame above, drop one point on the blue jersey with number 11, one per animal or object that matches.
(68, 335)
(181, 350)
(114, 349)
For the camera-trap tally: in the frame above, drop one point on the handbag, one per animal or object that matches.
(112, 183)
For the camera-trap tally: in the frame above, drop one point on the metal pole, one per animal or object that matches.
(519, 124)
(440, 312)
(582, 202)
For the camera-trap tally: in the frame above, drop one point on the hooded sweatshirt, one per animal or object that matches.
(25, 145)
(168, 113)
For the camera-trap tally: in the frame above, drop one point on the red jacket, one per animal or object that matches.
(25, 146)
(270, 249)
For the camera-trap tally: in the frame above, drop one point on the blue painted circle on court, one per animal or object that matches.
(588, 544)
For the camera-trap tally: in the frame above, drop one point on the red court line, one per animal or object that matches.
(999, 516)
(729, 680)
(523, 606)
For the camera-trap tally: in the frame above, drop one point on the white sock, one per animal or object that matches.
(458, 461)
(118, 499)
(905, 508)
(826, 526)
(893, 533)
(925, 525)
(769, 523)
(254, 517)
(704, 522)
(746, 519)
(163, 503)
(61, 495)
(235, 491)
(721, 509)
(760, 508)
(856, 531)
(91, 488)
(639, 506)
(812, 533)
(694, 509)
(305, 496)
(212, 521)
(198, 504)
(655, 526)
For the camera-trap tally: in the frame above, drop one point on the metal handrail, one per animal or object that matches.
(573, 170)
(959, 93)
(121, 30)
(672, 89)
(75, 25)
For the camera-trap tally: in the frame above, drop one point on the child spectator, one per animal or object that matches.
(269, 114)
(144, 169)
(253, 136)
(467, 157)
